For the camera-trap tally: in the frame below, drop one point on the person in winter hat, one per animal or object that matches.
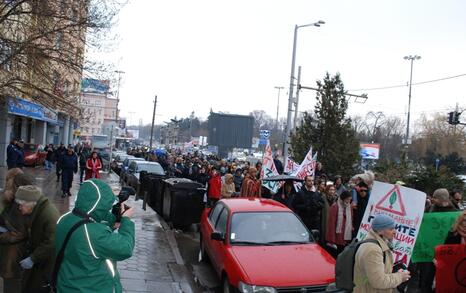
(373, 266)
(90, 257)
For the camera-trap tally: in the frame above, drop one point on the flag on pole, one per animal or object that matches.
(307, 168)
(291, 167)
(269, 169)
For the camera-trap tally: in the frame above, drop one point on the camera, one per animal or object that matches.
(123, 196)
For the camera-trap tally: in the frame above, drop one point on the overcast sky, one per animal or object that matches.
(229, 55)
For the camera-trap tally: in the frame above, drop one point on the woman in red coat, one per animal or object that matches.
(93, 166)
(340, 222)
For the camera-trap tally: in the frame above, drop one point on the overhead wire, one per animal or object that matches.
(407, 84)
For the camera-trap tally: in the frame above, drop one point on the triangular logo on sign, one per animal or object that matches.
(392, 202)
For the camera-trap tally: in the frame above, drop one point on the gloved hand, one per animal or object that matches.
(27, 263)
(3, 229)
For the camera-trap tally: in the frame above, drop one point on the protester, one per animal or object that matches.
(228, 187)
(11, 154)
(278, 164)
(440, 203)
(179, 168)
(340, 223)
(339, 185)
(368, 179)
(319, 172)
(238, 179)
(321, 187)
(457, 235)
(308, 205)
(89, 263)
(49, 157)
(363, 199)
(456, 199)
(59, 153)
(93, 167)
(373, 267)
(83, 155)
(251, 186)
(331, 194)
(214, 191)
(13, 231)
(69, 165)
(42, 217)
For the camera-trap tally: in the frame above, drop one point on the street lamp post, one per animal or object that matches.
(410, 58)
(279, 88)
(290, 96)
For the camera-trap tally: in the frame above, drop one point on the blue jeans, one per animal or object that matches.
(48, 165)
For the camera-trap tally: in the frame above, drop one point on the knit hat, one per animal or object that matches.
(28, 193)
(442, 197)
(382, 222)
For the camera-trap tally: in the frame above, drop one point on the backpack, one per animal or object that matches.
(344, 268)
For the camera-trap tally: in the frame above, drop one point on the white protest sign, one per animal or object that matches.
(291, 166)
(405, 206)
(307, 168)
(269, 169)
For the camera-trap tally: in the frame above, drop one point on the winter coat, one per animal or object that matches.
(83, 155)
(360, 210)
(89, 263)
(11, 156)
(308, 205)
(40, 244)
(371, 274)
(237, 180)
(59, 153)
(13, 242)
(250, 187)
(215, 186)
(332, 236)
(89, 168)
(324, 217)
(69, 162)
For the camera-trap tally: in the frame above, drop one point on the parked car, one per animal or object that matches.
(34, 154)
(125, 165)
(134, 172)
(118, 162)
(260, 245)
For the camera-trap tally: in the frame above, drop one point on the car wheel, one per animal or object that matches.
(203, 257)
(227, 288)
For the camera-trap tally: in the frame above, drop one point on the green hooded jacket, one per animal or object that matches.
(89, 263)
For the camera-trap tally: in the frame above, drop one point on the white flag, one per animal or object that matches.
(269, 169)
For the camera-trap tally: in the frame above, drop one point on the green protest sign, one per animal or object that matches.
(434, 230)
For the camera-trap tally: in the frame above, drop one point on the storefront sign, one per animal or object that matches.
(50, 116)
(433, 232)
(25, 108)
(405, 206)
(451, 268)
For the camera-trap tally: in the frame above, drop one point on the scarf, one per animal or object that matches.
(348, 227)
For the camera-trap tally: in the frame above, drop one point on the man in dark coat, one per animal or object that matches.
(278, 164)
(362, 191)
(69, 165)
(84, 153)
(59, 153)
(308, 205)
(41, 221)
(11, 154)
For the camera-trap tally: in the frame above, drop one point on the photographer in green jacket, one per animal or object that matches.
(89, 263)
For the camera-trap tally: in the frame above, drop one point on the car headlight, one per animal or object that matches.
(245, 288)
(331, 287)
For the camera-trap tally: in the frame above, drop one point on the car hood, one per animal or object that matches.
(286, 265)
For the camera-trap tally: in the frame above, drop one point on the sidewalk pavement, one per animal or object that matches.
(156, 264)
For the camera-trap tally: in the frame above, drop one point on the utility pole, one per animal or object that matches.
(295, 122)
(410, 58)
(152, 127)
(279, 88)
(119, 72)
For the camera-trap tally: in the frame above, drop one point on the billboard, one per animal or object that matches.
(230, 131)
(133, 133)
(369, 151)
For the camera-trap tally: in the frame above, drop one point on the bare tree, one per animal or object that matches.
(42, 46)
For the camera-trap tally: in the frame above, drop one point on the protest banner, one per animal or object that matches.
(269, 169)
(434, 230)
(450, 269)
(405, 206)
(291, 166)
(307, 168)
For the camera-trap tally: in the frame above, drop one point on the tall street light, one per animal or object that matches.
(279, 88)
(410, 58)
(290, 97)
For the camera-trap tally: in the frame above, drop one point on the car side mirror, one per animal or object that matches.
(218, 236)
(315, 234)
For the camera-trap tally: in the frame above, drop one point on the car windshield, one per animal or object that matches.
(267, 228)
(151, 168)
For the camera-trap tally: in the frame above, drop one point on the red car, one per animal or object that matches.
(260, 245)
(34, 154)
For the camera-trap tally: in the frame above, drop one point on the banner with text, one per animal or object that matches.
(433, 232)
(405, 206)
(307, 168)
(269, 169)
(451, 268)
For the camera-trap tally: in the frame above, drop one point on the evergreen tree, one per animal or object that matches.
(328, 130)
